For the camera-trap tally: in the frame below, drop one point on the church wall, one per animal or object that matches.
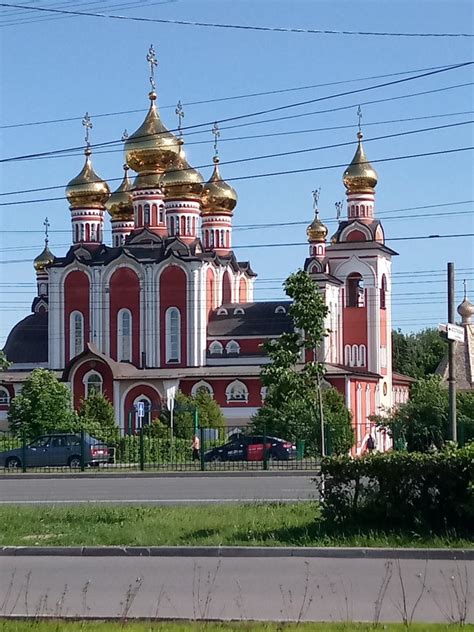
(76, 297)
(77, 380)
(137, 392)
(173, 293)
(125, 294)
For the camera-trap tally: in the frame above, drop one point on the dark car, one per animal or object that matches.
(252, 448)
(56, 449)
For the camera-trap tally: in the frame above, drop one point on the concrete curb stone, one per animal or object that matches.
(199, 474)
(241, 551)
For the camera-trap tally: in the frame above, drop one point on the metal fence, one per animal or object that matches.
(229, 448)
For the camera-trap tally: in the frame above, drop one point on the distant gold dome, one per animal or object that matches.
(152, 148)
(317, 231)
(359, 175)
(466, 310)
(182, 181)
(120, 203)
(87, 190)
(218, 196)
(43, 259)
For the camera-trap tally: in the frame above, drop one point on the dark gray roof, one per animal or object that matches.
(28, 340)
(258, 319)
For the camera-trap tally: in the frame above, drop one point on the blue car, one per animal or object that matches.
(56, 450)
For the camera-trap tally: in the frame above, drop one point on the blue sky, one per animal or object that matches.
(60, 67)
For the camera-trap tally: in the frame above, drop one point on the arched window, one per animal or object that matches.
(362, 354)
(124, 336)
(355, 356)
(154, 217)
(238, 311)
(173, 335)
(222, 311)
(183, 225)
(211, 240)
(216, 348)
(76, 230)
(222, 239)
(355, 290)
(145, 420)
(188, 225)
(347, 355)
(76, 330)
(280, 310)
(237, 392)
(362, 210)
(383, 291)
(171, 227)
(83, 234)
(202, 386)
(232, 348)
(93, 237)
(88, 232)
(4, 396)
(93, 383)
(146, 214)
(162, 211)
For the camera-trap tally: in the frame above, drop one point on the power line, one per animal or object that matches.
(262, 112)
(240, 27)
(269, 156)
(222, 99)
(287, 172)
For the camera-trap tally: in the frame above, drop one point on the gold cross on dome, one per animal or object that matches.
(86, 121)
(180, 114)
(359, 116)
(316, 194)
(217, 134)
(46, 225)
(151, 59)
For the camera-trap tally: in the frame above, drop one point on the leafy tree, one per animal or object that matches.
(97, 417)
(4, 363)
(419, 354)
(338, 421)
(291, 403)
(423, 421)
(209, 414)
(44, 405)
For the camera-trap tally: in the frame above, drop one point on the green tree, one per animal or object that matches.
(96, 416)
(418, 354)
(4, 363)
(44, 405)
(338, 421)
(291, 407)
(423, 421)
(209, 414)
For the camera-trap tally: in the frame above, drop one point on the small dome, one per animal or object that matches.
(317, 231)
(43, 259)
(120, 203)
(218, 196)
(87, 190)
(152, 148)
(466, 310)
(182, 181)
(359, 175)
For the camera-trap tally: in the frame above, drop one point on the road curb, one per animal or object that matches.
(240, 551)
(199, 474)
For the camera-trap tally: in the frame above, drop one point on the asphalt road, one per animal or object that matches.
(156, 490)
(233, 588)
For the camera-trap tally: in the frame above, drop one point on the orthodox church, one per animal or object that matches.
(167, 305)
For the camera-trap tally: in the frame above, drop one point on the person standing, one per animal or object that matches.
(196, 445)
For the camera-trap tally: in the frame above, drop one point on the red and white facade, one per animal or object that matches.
(167, 305)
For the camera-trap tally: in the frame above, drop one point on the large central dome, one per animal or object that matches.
(152, 148)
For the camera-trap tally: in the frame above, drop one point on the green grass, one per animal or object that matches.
(254, 524)
(98, 626)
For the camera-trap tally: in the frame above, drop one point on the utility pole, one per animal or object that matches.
(451, 371)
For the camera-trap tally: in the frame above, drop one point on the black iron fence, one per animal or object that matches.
(153, 449)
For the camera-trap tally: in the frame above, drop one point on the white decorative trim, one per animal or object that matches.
(237, 391)
(216, 348)
(232, 347)
(175, 314)
(86, 378)
(202, 384)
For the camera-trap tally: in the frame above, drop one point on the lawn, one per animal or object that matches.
(101, 626)
(253, 524)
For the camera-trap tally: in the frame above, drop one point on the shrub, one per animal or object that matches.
(427, 492)
(155, 450)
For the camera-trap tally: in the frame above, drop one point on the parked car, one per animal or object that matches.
(252, 448)
(56, 449)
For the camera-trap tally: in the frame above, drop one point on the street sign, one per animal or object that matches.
(455, 332)
(141, 409)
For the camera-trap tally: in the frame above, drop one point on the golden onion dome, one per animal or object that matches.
(317, 231)
(43, 259)
(152, 148)
(466, 310)
(359, 175)
(120, 203)
(87, 190)
(218, 196)
(182, 181)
